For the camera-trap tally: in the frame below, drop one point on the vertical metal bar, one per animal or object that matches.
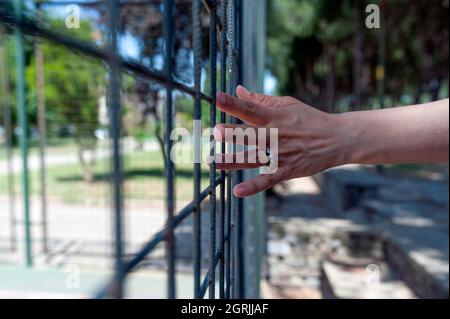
(197, 166)
(251, 68)
(116, 133)
(23, 123)
(236, 174)
(40, 90)
(231, 77)
(223, 118)
(170, 169)
(228, 259)
(212, 122)
(240, 288)
(7, 123)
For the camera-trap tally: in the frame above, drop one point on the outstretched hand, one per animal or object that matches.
(309, 141)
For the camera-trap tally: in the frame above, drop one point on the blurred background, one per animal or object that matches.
(351, 232)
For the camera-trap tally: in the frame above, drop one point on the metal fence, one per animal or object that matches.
(226, 224)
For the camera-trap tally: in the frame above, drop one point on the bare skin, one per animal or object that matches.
(311, 141)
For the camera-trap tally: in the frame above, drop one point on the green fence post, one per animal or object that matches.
(22, 117)
(253, 61)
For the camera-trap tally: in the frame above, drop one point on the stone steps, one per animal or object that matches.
(359, 282)
(410, 216)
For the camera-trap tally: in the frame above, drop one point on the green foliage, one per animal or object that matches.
(73, 85)
(302, 32)
(185, 109)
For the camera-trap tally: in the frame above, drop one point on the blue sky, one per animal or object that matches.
(127, 45)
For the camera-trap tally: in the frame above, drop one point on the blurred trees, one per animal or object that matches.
(321, 52)
(145, 24)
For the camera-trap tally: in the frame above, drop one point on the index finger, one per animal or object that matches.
(245, 110)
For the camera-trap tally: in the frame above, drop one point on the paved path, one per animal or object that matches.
(17, 282)
(67, 156)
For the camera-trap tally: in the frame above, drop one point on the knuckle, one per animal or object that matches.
(250, 109)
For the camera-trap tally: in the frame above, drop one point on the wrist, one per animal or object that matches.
(350, 132)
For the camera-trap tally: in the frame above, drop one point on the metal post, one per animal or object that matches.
(116, 133)
(40, 90)
(170, 169)
(7, 123)
(239, 277)
(223, 118)
(197, 166)
(23, 123)
(234, 202)
(252, 65)
(231, 56)
(212, 123)
(240, 287)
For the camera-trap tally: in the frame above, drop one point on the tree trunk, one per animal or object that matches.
(358, 55)
(88, 164)
(426, 60)
(330, 81)
(381, 67)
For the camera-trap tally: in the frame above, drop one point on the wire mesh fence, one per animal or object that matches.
(97, 145)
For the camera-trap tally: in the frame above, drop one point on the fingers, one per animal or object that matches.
(254, 109)
(264, 100)
(249, 112)
(258, 184)
(237, 134)
(242, 160)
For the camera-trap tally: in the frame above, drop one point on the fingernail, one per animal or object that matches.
(244, 90)
(220, 97)
(240, 191)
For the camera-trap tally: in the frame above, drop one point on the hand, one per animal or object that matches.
(309, 141)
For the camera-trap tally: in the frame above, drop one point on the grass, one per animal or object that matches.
(143, 180)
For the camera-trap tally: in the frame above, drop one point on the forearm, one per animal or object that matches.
(412, 134)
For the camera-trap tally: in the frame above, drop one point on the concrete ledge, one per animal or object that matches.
(425, 270)
(353, 282)
(345, 188)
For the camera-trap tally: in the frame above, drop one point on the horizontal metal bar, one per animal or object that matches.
(206, 4)
(66, 3)
(31, 28)
(158, 238)
(101, 3)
